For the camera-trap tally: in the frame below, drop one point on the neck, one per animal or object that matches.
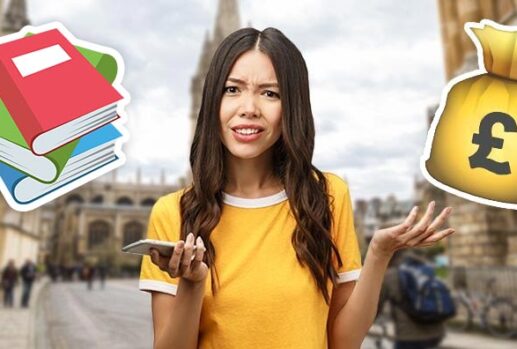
(251, 178)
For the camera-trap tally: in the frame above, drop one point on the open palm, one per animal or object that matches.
(407, 234)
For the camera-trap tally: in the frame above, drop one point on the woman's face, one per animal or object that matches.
(251, 110)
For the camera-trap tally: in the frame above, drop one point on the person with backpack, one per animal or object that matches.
(420, 303)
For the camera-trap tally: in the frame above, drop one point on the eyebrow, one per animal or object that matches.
(242, 82)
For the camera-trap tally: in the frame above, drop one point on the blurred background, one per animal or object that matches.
(377, 70)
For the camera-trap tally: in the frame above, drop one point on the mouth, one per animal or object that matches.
(247, 131)
(246, 134)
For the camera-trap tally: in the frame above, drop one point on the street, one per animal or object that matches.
(70, 316)
(118, 316)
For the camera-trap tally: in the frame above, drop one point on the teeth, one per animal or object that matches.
(246, 131)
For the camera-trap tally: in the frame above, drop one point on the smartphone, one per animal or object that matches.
(143, 247)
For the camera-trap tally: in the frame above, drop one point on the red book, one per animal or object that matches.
(53, 94)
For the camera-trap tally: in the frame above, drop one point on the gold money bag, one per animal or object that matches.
(472, 144)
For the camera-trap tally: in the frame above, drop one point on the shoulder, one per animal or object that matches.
(337, 186)
(167, 205)
(168, 200)
(165, 219)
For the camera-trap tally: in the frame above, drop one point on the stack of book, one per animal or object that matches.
(57, 107)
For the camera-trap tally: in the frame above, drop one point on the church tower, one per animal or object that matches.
(15, 17)
(227, 21)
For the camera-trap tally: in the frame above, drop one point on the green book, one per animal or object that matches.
(14, 150)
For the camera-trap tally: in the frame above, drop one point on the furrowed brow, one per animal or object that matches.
(241, 82)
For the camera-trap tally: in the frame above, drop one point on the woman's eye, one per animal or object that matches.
(230, 89)
(272, 94)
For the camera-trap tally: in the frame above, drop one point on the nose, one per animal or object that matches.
(249, 107)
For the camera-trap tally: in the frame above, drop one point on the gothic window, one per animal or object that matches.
(98, 233)
(148, 202)
(97, 199)
(133, 231)
(74, 199)
(125, 201)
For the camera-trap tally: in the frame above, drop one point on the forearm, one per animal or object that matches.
(356, 317)
(182, 327)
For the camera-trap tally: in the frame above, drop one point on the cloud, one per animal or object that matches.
(374, 66)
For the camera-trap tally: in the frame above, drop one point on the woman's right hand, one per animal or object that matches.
(181, 264)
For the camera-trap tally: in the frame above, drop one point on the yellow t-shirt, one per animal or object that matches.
(265, 299)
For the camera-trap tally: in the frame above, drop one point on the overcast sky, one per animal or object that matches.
(374, 69)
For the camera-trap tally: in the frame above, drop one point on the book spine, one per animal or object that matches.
(17, 106)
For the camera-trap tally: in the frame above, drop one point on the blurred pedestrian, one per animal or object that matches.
(102, 270)
(53, 271)
(409, 332)
(9, 280)
(28, 274)
(88, 274)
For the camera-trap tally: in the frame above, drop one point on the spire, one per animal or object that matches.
(15, 17)
(227, 20)
(206, 54)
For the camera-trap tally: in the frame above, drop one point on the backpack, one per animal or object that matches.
(425, 298)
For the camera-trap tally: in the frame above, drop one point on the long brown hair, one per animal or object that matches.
(305, 186)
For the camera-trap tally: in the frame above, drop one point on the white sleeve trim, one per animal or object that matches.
(159, 286)
(352, 275)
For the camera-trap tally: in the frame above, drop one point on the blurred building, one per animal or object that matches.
(371, 215)
(485, 236)
(93, 222)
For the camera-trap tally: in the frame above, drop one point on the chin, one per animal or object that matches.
(245, 155)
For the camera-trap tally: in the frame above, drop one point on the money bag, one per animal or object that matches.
(472, 143)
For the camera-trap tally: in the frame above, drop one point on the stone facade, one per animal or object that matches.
(94, 221)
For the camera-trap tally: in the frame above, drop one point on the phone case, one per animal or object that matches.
(143, 247)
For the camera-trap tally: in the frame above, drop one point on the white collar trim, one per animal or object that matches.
(255, 202)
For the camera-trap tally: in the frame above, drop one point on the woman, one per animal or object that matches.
(276, 263)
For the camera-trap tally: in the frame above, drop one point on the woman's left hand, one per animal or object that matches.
(407, 234)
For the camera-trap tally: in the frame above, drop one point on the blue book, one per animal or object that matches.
(93, 152)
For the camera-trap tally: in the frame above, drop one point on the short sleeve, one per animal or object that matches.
(164, 224)
(343, 230)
